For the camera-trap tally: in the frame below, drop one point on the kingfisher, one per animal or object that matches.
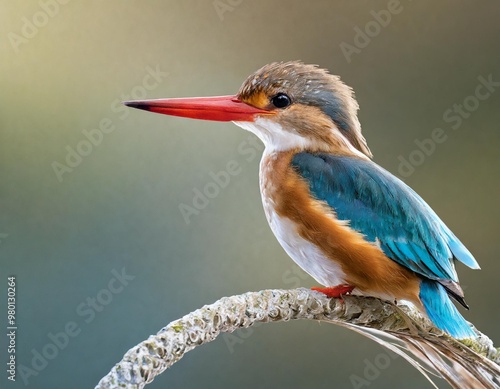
(348, 222)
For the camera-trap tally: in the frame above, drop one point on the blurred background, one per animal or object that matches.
(102, 221)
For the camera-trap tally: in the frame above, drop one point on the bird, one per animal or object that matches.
(346, 221)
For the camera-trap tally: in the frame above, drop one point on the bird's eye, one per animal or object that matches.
(281, 100)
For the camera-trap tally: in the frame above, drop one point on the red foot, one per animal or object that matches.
(335, 291)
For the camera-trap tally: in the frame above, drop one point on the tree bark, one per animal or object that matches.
(472, 363)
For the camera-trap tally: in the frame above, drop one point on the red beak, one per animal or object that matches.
(219, 108)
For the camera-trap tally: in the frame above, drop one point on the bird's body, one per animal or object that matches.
(350, 224)
(325, 246)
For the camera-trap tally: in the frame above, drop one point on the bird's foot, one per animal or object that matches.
(335, 291)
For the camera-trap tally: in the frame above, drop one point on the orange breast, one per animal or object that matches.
(365, 265)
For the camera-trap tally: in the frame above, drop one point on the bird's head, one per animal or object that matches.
(288, 105)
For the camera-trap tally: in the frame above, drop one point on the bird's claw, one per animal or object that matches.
(335, 291)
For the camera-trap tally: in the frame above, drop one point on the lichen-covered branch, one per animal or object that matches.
(471, 364)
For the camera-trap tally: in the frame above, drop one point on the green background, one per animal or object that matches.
(119, 208)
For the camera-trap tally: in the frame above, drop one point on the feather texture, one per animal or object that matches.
(384, 209)
(388, 212)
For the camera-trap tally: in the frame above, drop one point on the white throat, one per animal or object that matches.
(276, 138)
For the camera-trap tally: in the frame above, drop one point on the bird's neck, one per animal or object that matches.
(275, 167)
(279, 138)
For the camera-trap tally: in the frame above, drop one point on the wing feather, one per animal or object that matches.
(384, 209)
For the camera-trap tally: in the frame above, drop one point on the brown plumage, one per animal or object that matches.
(308, 86)
(365, 265)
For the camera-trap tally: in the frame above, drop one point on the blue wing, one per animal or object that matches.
(387, 211)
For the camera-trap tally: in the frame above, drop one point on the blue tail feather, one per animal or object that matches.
(442, 311)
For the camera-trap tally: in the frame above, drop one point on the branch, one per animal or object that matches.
(467, 364)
